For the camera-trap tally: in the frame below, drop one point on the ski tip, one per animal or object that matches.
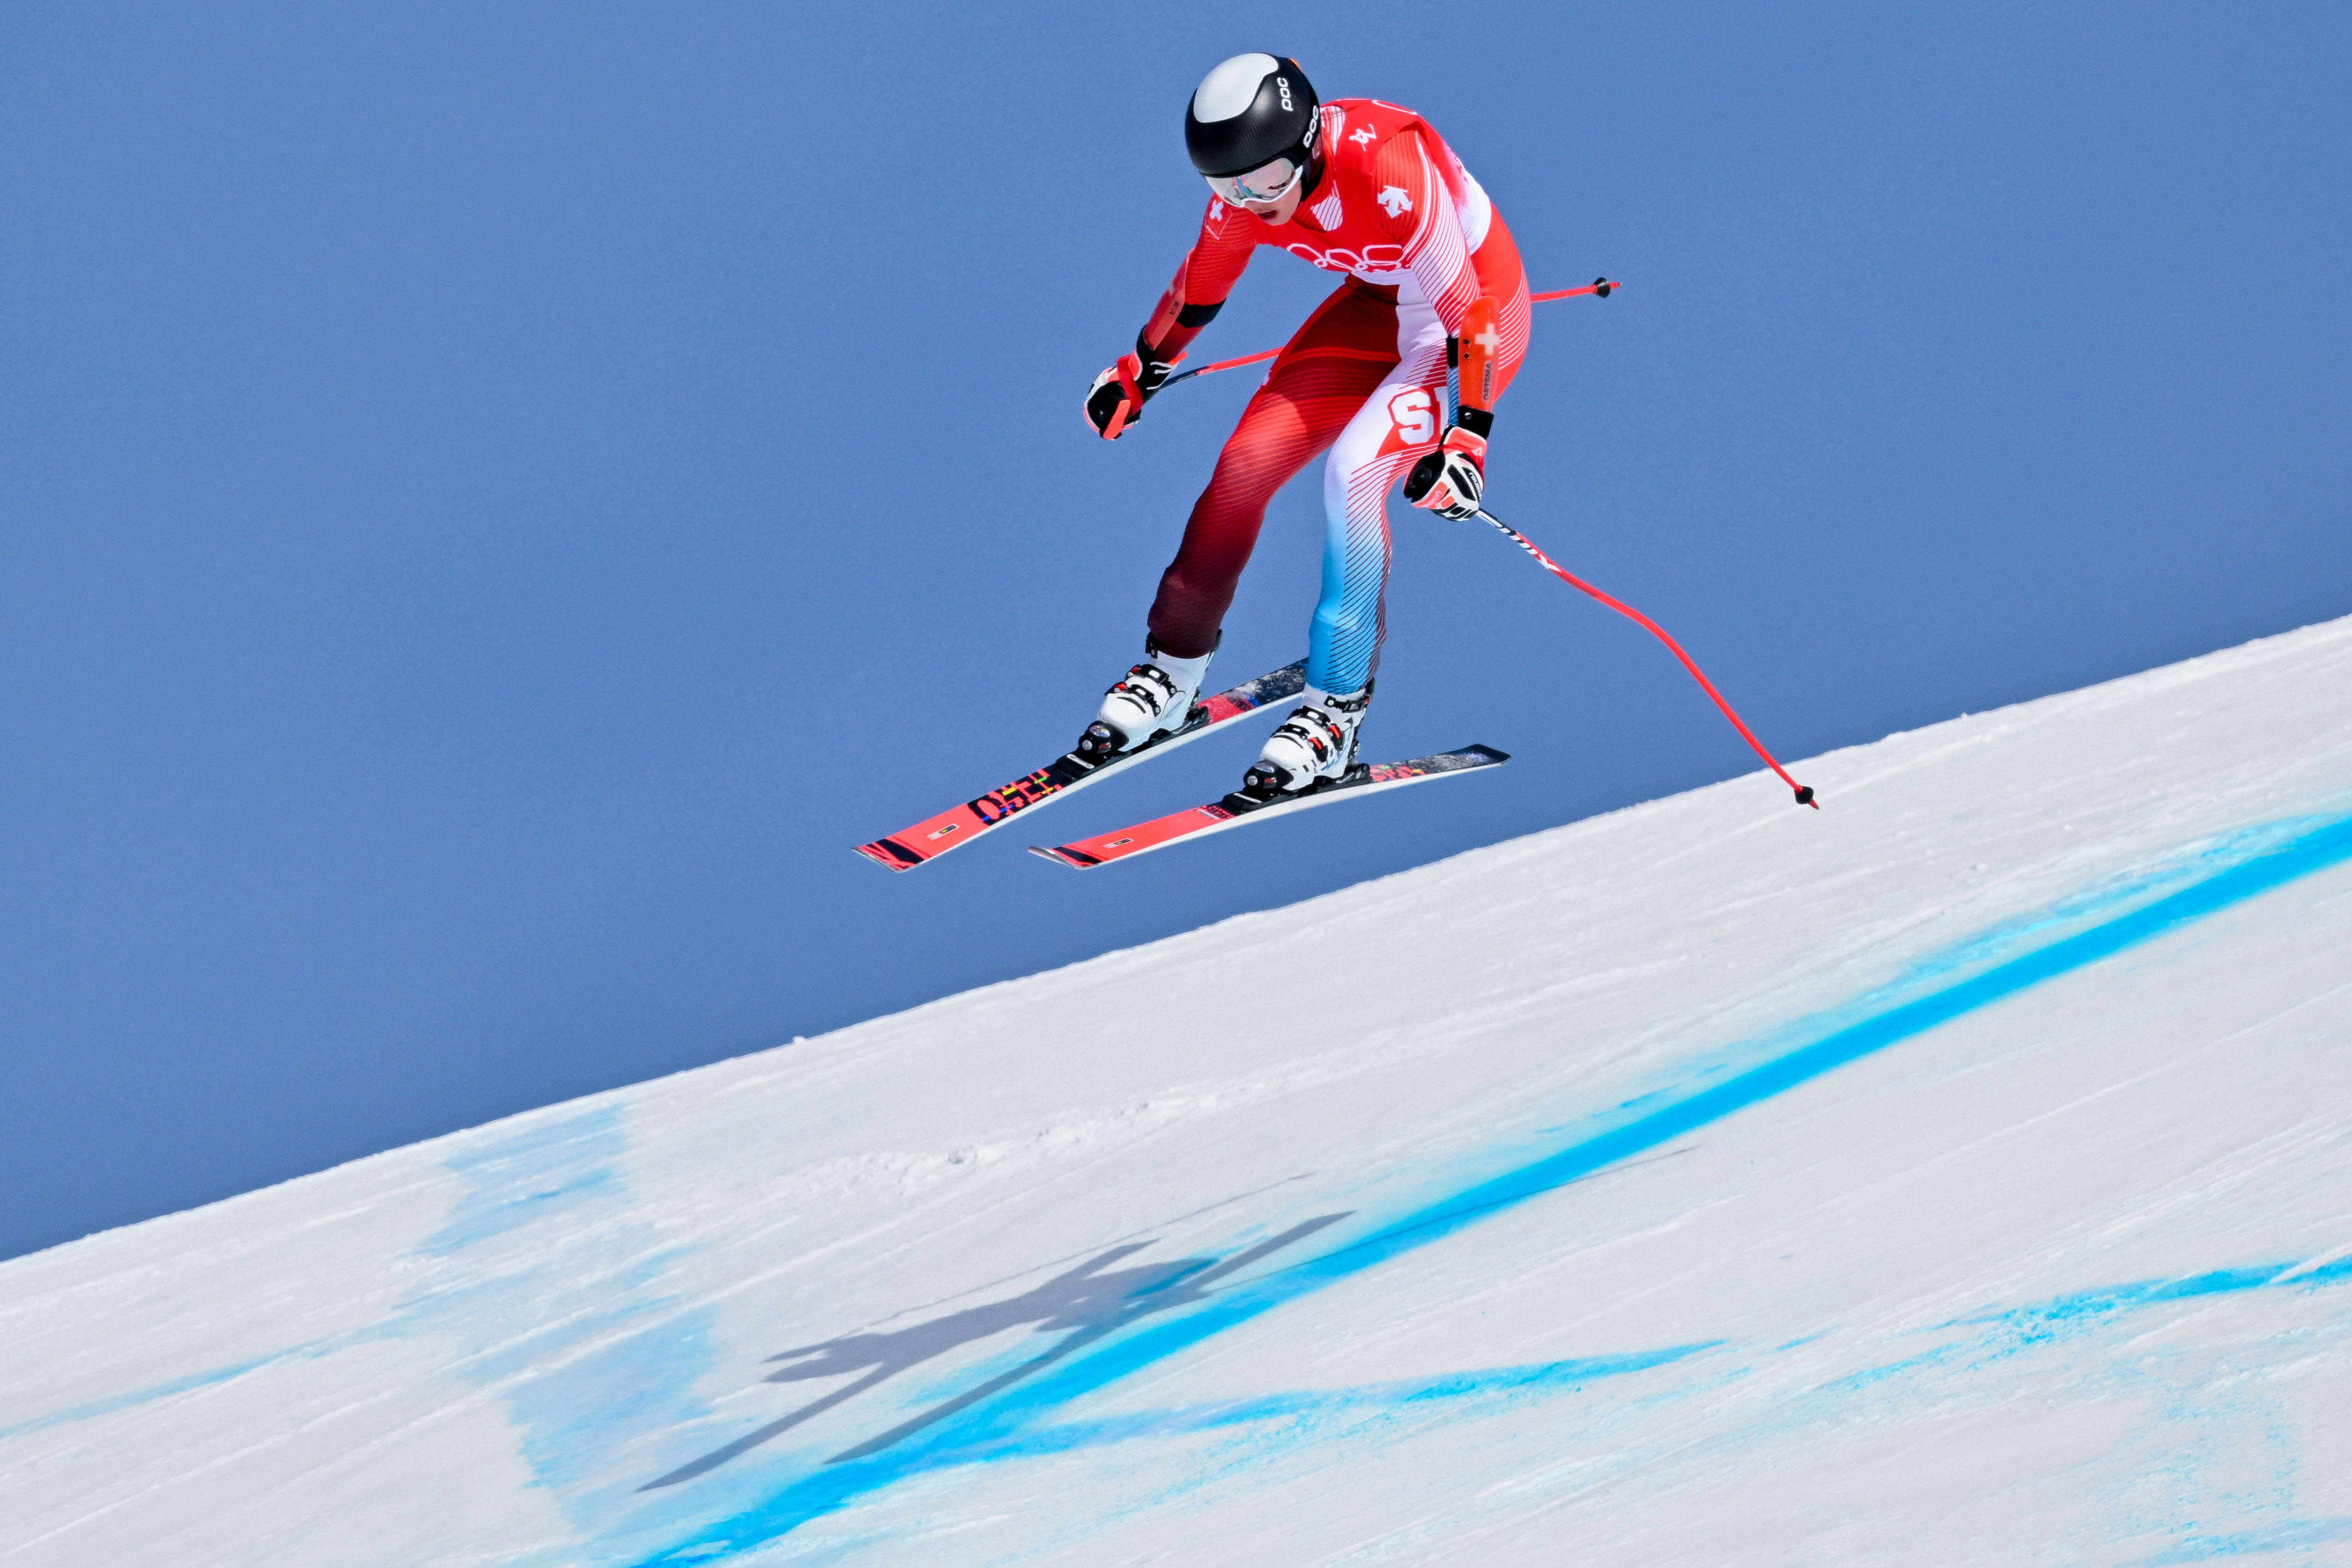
(1063, 856)
(1489, 753)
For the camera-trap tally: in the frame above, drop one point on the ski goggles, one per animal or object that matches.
(1269, 184)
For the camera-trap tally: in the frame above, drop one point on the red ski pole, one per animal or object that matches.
(1600, 287)
(1804, 791)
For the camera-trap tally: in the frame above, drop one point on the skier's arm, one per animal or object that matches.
(1429, 228)
(1450, 480)
(1194, 297)
(1203, 280)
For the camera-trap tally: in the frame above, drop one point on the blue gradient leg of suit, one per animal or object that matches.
(1397, 424)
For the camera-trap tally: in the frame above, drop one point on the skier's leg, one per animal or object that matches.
(1398, 423)
(1400, 419)
(1150, 700)
(1318, 382)
(1403, 419)
(1315, 384)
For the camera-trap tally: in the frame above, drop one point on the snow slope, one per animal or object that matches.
(1961, 1173)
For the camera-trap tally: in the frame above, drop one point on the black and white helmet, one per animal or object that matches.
(1248, 112)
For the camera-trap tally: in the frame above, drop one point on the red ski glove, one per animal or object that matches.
(1450, 480)
(1116, 399)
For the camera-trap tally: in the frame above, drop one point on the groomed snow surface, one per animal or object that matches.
(1961, 1173)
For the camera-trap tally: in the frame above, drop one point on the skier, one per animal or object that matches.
(1356, 187)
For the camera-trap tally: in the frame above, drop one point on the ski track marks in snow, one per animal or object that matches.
(998, 1432)
(567, 1362)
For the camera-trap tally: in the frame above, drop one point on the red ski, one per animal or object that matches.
(1236, 809)
(911, 847)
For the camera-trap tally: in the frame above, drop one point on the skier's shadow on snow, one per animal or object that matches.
(1087, 1301)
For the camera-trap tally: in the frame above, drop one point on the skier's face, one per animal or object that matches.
(1271, 192)
(1281, 211)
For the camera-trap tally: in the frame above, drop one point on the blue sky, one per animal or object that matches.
(494, 501)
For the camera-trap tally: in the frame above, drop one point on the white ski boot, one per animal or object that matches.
(1316, 742)
(1149, 700)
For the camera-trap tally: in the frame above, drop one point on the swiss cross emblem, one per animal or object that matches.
(1395, 201)
(1363, 134)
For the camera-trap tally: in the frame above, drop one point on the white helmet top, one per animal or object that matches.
(1232, 87)
(1249, 112)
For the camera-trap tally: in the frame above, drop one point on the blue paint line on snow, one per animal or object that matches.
(1541, 1378)
(2202, 1415)
(2292, 1536)
(2187, 864)
(2045, 1318)
(1316, 1409)
(2076, 911)
(529, 1176)
(1301, 1417)
(1934, 972)
(568, 1317)
(569, 1321)
(149, 1395)
(1312, 1406)
(997, 1426)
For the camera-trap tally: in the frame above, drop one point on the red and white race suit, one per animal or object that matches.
(1365, 378)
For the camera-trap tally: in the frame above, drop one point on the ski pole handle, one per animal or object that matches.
(1804, 791)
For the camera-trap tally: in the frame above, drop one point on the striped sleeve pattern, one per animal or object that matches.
(1435, 249)
(1207, 274)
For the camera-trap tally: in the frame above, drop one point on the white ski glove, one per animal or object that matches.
(1450, 480)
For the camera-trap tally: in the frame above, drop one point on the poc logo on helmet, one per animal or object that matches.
(1283, 84)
